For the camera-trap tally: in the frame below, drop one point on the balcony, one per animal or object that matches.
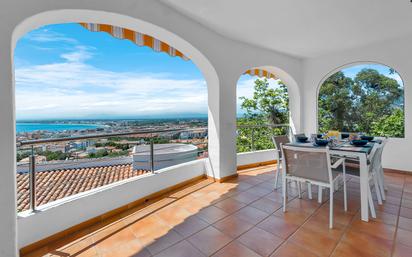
(208, 207)
(243, 217)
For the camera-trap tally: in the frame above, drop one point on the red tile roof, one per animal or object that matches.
(57, 184)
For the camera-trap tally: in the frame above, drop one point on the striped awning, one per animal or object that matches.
(136, 37)
(141, 39)
(261, 73)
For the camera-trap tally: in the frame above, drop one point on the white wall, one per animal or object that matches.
(67, 212)
(256, 157)
(396, 54)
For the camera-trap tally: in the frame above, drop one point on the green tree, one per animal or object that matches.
(390, 125)
(361, 104)
(335, 103)
(267, 106)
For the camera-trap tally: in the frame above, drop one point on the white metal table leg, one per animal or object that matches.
(364, 186)
(320, 192)
(310, 191)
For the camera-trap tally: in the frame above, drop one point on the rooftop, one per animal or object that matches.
(56, 184)
(243, 217)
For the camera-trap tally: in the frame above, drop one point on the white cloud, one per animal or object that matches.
(75, 89)
(46, 36)
(80, 54)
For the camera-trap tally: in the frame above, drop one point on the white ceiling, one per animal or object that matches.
(302, 28)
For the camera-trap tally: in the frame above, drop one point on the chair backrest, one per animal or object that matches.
(377, 159)
(278, 140)
(295, 136)
(308, 163)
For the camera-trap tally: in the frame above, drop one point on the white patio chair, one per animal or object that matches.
(373, 164)
(277, 141)
(312, 166)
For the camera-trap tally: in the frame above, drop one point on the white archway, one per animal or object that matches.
(293, 92)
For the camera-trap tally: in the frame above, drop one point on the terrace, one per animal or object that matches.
(224, 204)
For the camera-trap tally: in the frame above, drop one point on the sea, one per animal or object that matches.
(22, 127)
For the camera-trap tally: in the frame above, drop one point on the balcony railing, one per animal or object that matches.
(258, 137)
(95, 172)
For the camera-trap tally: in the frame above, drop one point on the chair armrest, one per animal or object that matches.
(338, 163)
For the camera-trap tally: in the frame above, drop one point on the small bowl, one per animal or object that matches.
(359, 142)
(343, 136)
(302, 139)
(319, 136)
(321, 142)
(369, 138)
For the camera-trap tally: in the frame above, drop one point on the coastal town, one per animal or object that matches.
(186, 131)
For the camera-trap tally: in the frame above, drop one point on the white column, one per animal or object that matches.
(222, 127)
(8, 222)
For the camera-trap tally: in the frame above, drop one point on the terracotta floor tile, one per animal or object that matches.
(402, 250)
(313, 241)
(320, 225)
(388, 208)
(182, 249)
(251, 214)
(245, 197)
(148, 229)
(259, 191)
(122, 237)
(347, 250)
(173, 216)
(384, 217)
(233, 226)
(406, 212)
(260, 241)
(339, 216)
(406, 203)
(133, 248)
(292, 215)
(278, 226)
(275, 196)
(161, 243)
(235, 249)
(243, 218)
(190, 226)
(405, 223)
(373, 228)
(356, 242)
(292, 250)
(266, 205)
(211, 214)
(404, 237)
(230, 205)
(209, 240)
(308, 206)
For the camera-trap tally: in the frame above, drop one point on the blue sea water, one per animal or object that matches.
(54, 127)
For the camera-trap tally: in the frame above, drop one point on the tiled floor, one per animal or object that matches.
(243, 218)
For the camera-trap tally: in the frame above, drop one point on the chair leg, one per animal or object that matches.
(371, 205)
(331, 206)
(320, 194)
(381, 181)
(377, 190)
(284, 192)
(310, 191)
(277, 174)
(385, 187)
(345, 197)
(300, 190)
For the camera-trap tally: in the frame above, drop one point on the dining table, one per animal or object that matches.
(346, 150)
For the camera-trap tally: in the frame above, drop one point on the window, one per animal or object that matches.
(365, 98)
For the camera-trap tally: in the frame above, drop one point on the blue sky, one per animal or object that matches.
(64, 71)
